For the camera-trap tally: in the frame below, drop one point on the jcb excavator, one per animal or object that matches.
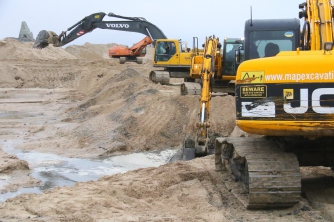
(258, 33)
(289, 100)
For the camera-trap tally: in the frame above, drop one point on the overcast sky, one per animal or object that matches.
(179, 19)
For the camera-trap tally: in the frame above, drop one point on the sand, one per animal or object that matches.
(87, 105)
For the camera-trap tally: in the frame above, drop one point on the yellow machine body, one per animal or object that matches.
(291, 94)
(177, 56)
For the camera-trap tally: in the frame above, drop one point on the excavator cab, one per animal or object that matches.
(174, 58)
(164, 51)
(231, 48)
(266, 38)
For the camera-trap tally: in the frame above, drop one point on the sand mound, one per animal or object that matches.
(90, 51)
(21, 66)
(129, 111)
(14, 49)
(94, 52)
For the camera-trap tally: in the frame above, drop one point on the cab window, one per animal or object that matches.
(164, 51)
(270, 43)
(229, 66)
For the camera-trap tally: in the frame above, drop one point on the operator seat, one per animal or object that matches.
(271, 49)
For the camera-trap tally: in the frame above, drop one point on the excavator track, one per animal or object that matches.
(161, 77)
(191, 88)
(270, 176)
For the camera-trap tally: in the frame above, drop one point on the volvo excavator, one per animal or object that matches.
(288, 101)
(172, 63)
(93, 21)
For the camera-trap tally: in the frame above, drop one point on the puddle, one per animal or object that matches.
(37, 107)
(54, 170)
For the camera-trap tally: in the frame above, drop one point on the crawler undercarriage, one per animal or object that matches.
(271, 176)
(268, 167)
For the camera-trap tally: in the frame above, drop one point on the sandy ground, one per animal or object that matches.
(76, 102)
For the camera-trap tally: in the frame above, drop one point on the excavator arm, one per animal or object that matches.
(207, 73)
(134, 53)
(208, 65)
(136, 49)
(93, 21)
(139, 46)
(318, 25)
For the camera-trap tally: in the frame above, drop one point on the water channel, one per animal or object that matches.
(58, 171)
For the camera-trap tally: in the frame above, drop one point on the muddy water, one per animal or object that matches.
(58, 171)
(24, 109)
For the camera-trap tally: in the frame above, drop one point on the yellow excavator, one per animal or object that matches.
(224, 71)
(288, 101)
(172, 59)
(258, 33)
(177, 63)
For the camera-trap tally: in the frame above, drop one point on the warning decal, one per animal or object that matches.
(253, 91)
(251, 77)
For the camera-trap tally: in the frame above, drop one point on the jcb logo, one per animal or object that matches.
(288, 93)
(315, 102)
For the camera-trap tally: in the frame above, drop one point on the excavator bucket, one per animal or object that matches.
(44, 38)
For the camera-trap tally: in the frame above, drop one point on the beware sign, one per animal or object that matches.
(259, 91)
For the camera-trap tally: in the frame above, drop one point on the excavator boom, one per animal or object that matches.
(93, 21)
(207, 73)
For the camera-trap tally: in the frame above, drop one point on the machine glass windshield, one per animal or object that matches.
(229, 66)
(164, 51)
(270, 43)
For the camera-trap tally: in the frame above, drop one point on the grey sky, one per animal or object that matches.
(179, 19)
